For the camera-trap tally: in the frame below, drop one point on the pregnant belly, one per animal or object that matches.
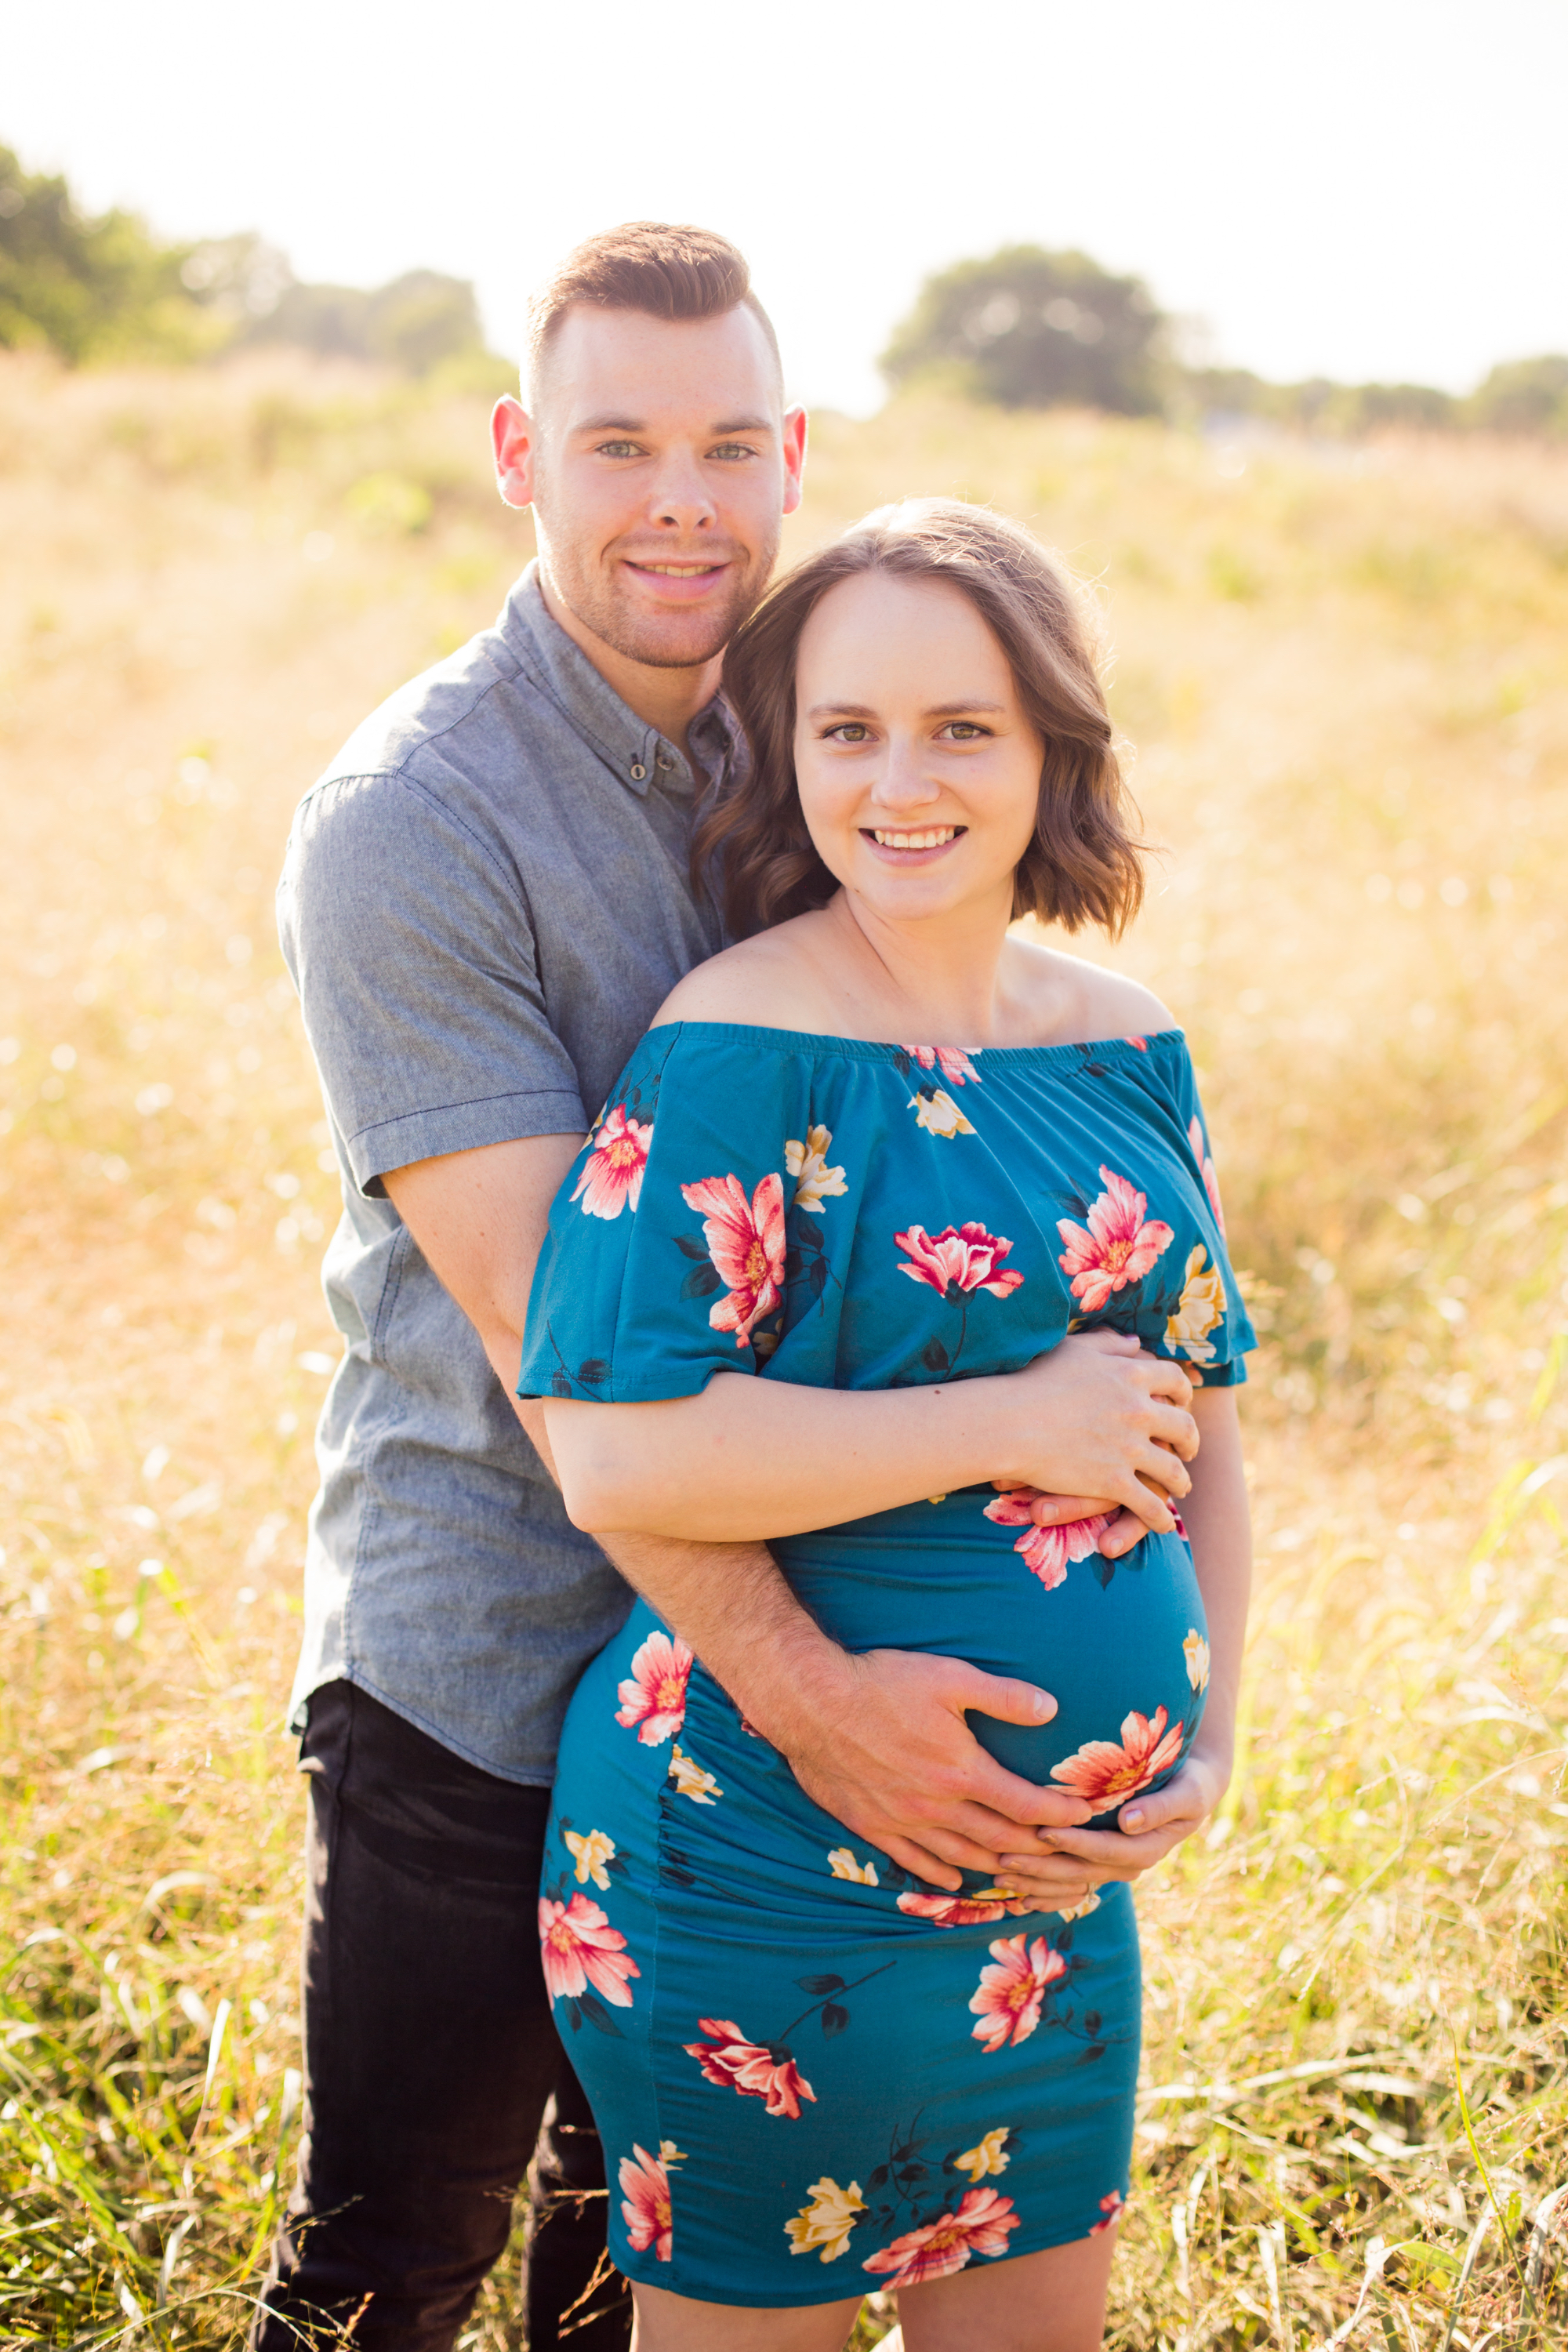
(1125, 1658)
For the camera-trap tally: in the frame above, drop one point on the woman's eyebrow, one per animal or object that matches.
(960, 709)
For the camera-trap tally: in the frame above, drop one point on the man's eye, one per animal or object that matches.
(617, 450)
(730, 450)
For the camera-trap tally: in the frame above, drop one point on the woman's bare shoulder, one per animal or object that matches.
(766, 982)
(1081, 1002)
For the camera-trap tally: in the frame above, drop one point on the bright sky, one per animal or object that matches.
(1357, 188)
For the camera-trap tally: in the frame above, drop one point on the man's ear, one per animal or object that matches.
(794, 457)
(514, 441)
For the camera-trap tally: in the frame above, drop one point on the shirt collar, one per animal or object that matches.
(633, 750)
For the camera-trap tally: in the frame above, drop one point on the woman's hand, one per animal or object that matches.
(1148, 1829)
(1105, 1427)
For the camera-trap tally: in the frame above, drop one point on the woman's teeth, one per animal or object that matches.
(932, 839)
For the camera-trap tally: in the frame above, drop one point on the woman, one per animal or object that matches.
(814, 2075)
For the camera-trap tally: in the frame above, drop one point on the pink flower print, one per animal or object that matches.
(1211, 1181)
(953, 1060)
(1106, 1774)
(939, 2248)
(979, 1909)
(963, 1258)
(612, 1175)
(734, 2062)
(1113, 2207)
(579, 1948)
(746, 1243)
(645, 2202)
(1142, 1043)
(1007, 2000)
(1119, 1247)
(655, 1698)
(1047, 1550)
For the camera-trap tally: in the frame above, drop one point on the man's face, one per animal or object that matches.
(659, 464)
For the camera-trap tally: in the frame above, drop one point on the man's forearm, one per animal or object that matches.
(731, 1606)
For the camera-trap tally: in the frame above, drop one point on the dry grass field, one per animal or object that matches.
(1346, 678)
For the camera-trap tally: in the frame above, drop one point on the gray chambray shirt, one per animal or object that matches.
(484, 902)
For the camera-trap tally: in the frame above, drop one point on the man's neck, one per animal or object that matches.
(668, 700)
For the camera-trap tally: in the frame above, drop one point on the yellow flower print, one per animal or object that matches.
(991, 2156)
(822, 2227)
(670, 2154)
(1202, 1306)
(1195, 1650)
(814, 1180)
(841, 1861)
(692, 1781)
(938, 1114)
(1082, 1910)
(591, 1853)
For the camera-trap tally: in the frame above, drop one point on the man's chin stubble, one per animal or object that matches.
(636, 638)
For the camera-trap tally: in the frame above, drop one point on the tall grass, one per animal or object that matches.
(1345, 678)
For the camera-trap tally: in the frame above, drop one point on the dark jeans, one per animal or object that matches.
(430, 2059)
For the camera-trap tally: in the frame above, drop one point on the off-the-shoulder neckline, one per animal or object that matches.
(872, 1049)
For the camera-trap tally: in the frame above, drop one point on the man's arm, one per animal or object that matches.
(880, 1741)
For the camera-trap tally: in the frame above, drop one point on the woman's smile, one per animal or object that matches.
(910, 847)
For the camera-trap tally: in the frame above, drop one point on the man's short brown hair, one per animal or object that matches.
(666, 271)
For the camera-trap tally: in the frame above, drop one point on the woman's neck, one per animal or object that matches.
(940, 982)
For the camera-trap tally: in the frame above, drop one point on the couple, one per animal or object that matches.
(920, 1671)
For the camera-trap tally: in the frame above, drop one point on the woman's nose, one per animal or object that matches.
(902, 781)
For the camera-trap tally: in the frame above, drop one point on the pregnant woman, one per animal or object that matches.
(885, 1142)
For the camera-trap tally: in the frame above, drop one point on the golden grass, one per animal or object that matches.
(1345, 676)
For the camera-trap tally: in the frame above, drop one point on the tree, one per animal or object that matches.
(1035, 329)
(1522, 397)
(87, 289)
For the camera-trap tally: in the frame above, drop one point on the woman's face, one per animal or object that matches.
(919, 771)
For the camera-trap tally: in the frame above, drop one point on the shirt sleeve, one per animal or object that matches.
(411, 945)
(680, 1244)
(1214, 1353)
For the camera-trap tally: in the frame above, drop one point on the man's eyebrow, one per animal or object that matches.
(639, 425)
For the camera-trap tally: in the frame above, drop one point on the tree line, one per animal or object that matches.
(1022, 327)
(1028, 329)
(102, 288)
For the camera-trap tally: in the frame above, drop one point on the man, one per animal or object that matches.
(484, 902)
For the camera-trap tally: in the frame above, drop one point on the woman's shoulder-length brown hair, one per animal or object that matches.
(1083, 864)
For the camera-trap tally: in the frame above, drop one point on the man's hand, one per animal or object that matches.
(884, 1748)
(1149, 1828)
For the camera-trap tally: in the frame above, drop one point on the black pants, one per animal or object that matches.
(430, 2059)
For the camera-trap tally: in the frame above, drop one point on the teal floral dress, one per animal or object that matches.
(813, 2075)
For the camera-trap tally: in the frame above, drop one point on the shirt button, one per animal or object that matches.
(664, 761)
(638, 772)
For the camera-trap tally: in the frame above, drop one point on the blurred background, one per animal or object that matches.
(1261, 320)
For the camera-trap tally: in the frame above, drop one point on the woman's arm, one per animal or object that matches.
(1095, 1418)
(1219, 1522)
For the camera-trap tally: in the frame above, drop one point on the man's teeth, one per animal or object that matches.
(678, 571)
(932, 839)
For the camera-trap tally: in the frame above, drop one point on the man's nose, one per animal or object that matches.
(681, 498)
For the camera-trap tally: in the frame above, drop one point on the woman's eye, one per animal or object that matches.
(964, 730)
(850, 731)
